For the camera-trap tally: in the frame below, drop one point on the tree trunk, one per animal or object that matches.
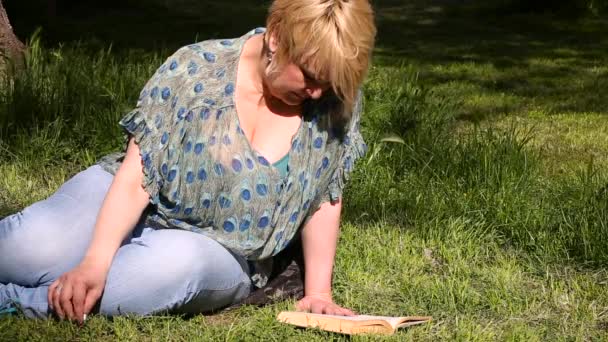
(12, 50)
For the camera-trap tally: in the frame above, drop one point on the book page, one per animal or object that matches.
(350, 324)
(357, 318)
(395, 322)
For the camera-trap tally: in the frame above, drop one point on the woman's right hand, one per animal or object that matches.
(74, 293)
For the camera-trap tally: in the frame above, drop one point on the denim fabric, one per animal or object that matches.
(154, 271)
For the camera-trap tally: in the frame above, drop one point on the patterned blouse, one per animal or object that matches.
(204, 176)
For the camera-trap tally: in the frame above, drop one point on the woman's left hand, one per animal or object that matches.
(322, 305)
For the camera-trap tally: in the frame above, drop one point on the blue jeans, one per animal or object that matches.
(154, 271)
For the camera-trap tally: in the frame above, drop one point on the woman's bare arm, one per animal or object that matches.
(122, 207)
(74, 293)
(319, 241)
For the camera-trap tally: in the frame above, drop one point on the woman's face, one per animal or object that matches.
(294, 83)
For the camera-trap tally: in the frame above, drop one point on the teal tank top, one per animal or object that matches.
(281, 165)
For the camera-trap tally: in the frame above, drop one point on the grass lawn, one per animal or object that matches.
(490, 214)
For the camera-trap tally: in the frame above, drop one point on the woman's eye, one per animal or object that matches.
(308, 77)
(312, 79)
(306, 74)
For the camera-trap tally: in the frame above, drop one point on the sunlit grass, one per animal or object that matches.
(489, 212)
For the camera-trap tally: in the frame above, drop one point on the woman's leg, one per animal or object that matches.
(156, 271)
(48, 238)
(177, 271)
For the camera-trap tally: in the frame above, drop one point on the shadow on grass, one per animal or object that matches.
(148, 25)
(538, 60)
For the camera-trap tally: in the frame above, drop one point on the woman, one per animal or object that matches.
(240, 145)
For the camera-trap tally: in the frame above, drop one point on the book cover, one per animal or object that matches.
(358, 324)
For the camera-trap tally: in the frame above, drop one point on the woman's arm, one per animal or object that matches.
(319, 241)
(122, 207)
(74, 293)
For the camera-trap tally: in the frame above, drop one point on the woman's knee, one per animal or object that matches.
(170, 257)
(50, 236)
(199, 260)
(89, 186)
(33, 248)
(173, 271)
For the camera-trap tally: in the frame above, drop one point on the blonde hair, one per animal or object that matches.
(334, 37)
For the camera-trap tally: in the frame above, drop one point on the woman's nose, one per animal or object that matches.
(314, 92)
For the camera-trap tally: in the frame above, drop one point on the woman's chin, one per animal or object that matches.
(290, 100)
(294, 99)
(293, 102)
(287, 98)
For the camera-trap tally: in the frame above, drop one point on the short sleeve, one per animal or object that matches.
(352, 148)
(150, 122)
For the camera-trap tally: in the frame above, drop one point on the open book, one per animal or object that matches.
(359, 324)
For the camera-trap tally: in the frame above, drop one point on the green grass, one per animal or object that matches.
(491, 214)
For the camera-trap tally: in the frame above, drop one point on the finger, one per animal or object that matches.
(90, 300)
(55, 298)
(303, 305)
(78, 298)
(65, 298)
(317, 307)
(348, 312)
(56, 302)
(340, 311)
(330, 310)
(299, 306)
(49, 294)
(344, 312)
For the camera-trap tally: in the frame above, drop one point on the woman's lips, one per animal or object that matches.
(298, 96)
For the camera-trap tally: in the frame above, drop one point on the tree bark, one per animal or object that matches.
(12, 50)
